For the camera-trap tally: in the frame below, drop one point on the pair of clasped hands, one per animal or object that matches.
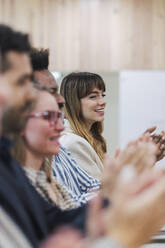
(136, 190)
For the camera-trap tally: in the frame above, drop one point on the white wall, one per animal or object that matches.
(142, 103)
(111, 123)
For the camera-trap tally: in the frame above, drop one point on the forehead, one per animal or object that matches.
(45, 101)
(19, 62)
(96, 90)
(45, 78)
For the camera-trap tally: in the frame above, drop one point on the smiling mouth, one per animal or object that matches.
(99, 110)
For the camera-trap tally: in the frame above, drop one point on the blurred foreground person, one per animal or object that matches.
(15, 90)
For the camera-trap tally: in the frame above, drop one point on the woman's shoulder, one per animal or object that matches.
(84, 154)
(68, 136)
(73, 139)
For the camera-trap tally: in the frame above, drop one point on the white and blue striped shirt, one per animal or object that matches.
(79, 183)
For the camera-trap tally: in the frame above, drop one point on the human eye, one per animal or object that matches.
(93, 96)
(46, 115)
(24, 80)
(103, 95)
(21, 82)
(53, 91)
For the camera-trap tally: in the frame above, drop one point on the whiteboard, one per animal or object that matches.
(141, 103)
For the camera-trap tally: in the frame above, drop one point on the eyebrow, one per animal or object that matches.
(94, 92)
(28, 76)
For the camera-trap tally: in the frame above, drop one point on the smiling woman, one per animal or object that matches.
(35, 145)
(84, 94)
(93, 106)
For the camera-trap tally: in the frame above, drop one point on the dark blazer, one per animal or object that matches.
(35, 216)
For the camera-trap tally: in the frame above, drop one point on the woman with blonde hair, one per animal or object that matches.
(35, 145)
(84, 94)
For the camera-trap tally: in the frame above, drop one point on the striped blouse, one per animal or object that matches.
(79, 183)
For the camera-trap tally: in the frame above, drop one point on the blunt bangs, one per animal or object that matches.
(86, 82)
(77, 85)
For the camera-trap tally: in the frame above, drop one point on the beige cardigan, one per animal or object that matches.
(82, 152)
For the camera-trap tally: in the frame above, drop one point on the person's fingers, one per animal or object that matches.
(109, 161)
(147, 158)
(125, 156)
(142, 156)
(148, 137)
(139, 203)
(146, 180)
(138, 184)
(145, 137)
(156, 138)
(151, 129)
(110, 175)
(163, 139)
(117, 152)
(161, 152)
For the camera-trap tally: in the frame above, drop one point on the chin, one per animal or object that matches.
(100, 119)
(56, 152)
(53, 152)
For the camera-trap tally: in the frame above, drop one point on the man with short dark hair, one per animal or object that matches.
(40, 64)
(15, 63)
(15, 89)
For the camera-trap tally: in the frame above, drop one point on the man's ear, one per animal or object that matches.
(22, 133)
(5, 91)
(2, 99)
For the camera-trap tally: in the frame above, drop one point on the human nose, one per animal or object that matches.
(101, 100)
(59, 98)
(59, 124)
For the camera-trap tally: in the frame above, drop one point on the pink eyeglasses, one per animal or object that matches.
(51, 116)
